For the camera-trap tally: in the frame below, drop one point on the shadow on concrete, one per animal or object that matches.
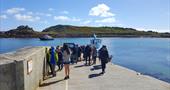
(96, 67)
(79, 66)
(47, 77)
(49, 83)
(95, 75)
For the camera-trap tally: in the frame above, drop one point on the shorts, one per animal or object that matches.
(67, 62)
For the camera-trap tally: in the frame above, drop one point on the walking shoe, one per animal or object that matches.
(65, 78)
(68, 77)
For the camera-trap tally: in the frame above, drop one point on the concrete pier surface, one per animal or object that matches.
(25, 69)
(89, 78)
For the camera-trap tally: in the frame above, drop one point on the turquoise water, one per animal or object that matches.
(150, 56)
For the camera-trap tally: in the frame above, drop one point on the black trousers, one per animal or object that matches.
(53, 70)
(60, 65)
(94, 59)
(87, 58)
(103, 64)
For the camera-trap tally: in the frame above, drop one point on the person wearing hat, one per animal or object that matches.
(103, 55)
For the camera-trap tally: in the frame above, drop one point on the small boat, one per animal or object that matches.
(96, 42)
(46, 37)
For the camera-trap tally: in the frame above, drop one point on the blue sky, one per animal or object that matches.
(40, 14)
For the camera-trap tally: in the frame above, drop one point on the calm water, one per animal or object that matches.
(149, 56)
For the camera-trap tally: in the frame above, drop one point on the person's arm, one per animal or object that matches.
(107, 54)
(56, 57)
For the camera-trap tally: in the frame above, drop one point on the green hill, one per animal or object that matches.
(68, 30)
(79, 31)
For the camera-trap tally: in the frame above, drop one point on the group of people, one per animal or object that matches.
(59, 56)
(86, 53)
(64, 56)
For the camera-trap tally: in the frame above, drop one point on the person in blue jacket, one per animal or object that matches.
(53, 60)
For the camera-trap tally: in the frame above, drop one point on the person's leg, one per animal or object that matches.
(61, 65)
(65, 67)
(102, 64)
(68, 70)
(94, 60)
(53, 70)
(89, 60)
(58, 64)
(86, 60)
(50, 67)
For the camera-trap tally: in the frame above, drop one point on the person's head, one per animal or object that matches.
(57, 47)
(65, 47)
(46, 49)
(104, 47)
(52, 48)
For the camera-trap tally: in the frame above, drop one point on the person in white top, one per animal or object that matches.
(66, 60)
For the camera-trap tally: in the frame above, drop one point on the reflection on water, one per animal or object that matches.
(149, 56)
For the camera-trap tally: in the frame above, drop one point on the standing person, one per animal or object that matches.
(48, 60)
(88, 54)
(53, 60)
(76, 53)
(79, 53)
(66, 60)
(94, 54)
(85, 54)
(73, 55)
(83, 51)
(60, 59)
(103, 56)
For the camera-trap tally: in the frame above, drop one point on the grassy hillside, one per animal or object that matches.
(100, 31)
(80, 31)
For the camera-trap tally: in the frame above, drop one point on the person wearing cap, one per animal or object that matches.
(103, 55)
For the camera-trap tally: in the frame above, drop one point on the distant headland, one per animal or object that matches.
(25, 31)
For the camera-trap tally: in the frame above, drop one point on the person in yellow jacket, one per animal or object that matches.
(48, 61)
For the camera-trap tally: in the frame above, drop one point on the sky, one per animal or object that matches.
(139, 14)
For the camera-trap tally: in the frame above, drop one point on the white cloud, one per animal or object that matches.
(61, 18)
(3, 17)
(101, 10)
(26, 17)
(75, 19)
(44, 22)
(64, 12)
(106, 20)
(14, 10)
(39, 13)
(51, 9)
(87, 22)
(43, 14)
(30, 13)
(65, 18)
(48, 15)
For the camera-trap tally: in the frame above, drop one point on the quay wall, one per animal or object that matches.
(22, 69)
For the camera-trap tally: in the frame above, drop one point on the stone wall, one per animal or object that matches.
(23, 69)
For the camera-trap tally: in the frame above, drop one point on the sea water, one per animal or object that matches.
(150, 56)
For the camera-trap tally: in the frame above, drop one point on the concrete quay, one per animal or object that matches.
(25, 69)
(89, 78)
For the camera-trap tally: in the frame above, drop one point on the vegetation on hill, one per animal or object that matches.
(80, 31)
(21, 31)
(68, 30)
